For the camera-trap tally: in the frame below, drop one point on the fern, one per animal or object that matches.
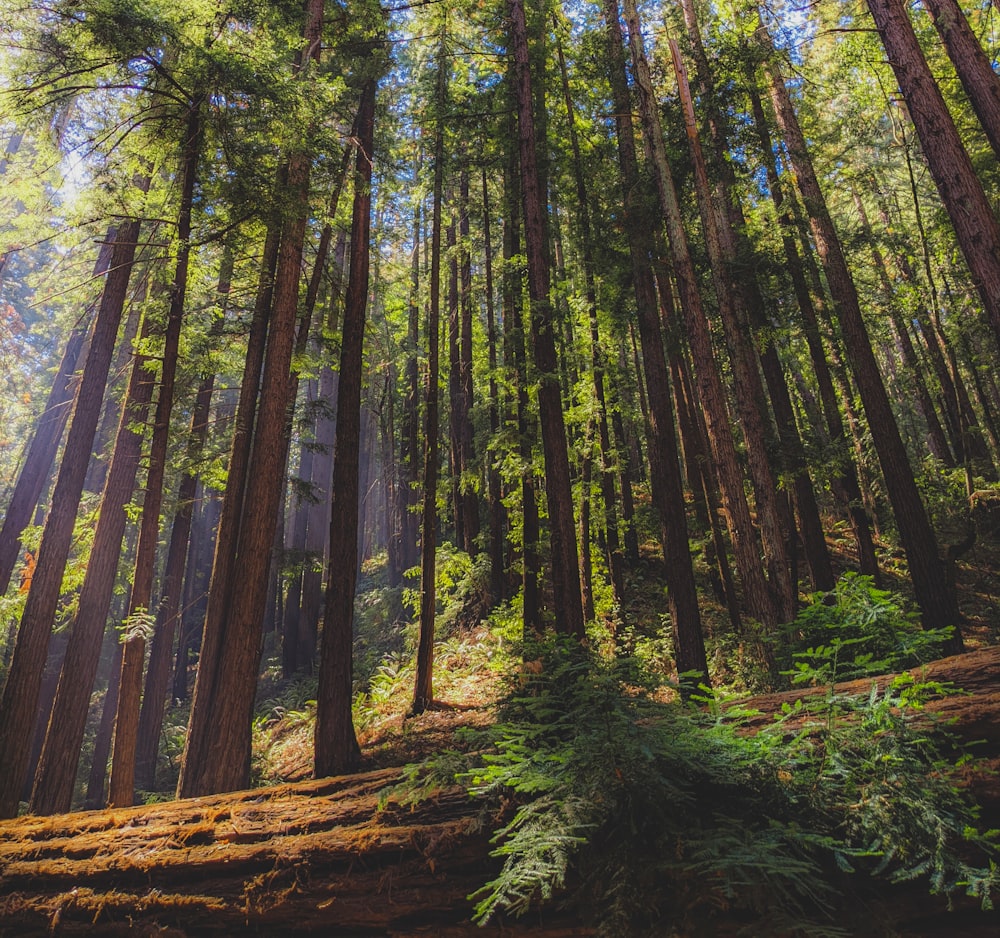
(639, 810)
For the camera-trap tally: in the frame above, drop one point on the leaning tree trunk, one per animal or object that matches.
(971, 214)
(844, 483)
(936, 599)
(48, 432)
(20, 691)
(974, 69)
(665, 472)
(56, 770)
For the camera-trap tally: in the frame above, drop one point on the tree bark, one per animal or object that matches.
(969, 209)
(936, 599)
(423, 687)
(56, 770)
(217, 751)
(20, 691)
(49, 429)
(558, 489)
(121, 788)
(665, 472)
(336, 746)
(971, 63)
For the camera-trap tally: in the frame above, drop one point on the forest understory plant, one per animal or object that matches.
(650, 815)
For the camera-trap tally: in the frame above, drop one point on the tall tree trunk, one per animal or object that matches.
(454, 382)
(733, 295)
(711, 391)
(423, 687)
(121, 788)
(936, 441)
(56, 770)
(20, 692)
(336, 746)
(936, 599)
(493, 482)
(972, 64)
(515, 357)
(971, 214)
(665, 472)
(168, 612)
(37, 466)
(467, 491)
(411, 412)
(558, 489)
(217, 751)
(844, 483)
(597, 356)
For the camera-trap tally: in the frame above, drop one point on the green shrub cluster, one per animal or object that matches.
(660, 817)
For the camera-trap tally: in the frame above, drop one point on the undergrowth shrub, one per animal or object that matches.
(854, 631)
(645, 813)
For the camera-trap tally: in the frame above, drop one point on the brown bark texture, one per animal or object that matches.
(961, 191)
(335, 742)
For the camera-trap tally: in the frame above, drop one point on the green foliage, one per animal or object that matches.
(642, 812)
(854, 631)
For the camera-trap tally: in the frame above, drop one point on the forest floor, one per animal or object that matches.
(337, 856)
(344, 856)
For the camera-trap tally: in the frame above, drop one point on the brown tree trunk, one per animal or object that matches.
(423, 687)
(751, 405)
(467, 491)
(336, 746)
(20, 691)
(558, 489)
(972, 64)
(493, 482)
(217, 751)
(969, 209)
(51, 423)
(937, 601)
(515, 356)
(665, 472)
(844, 483)
(936, 440)
(121, 788)
(168, 612)
(597, 357)
(56, 770)
(746, 548)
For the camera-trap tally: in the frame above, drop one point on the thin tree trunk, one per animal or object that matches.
(597, 357)
(56, 770)
(336, 746)
(665, 472)
(493, 482)
(756, 588)
(558, 489)
(121, 788)
(423, 688)
(467, 492)
(734, 303)
(20, 693)
(38, 461)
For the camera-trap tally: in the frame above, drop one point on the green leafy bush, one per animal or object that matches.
(854, 631)
(642, 812)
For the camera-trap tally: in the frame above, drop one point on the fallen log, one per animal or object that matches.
(291, 859)
(325, 857)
